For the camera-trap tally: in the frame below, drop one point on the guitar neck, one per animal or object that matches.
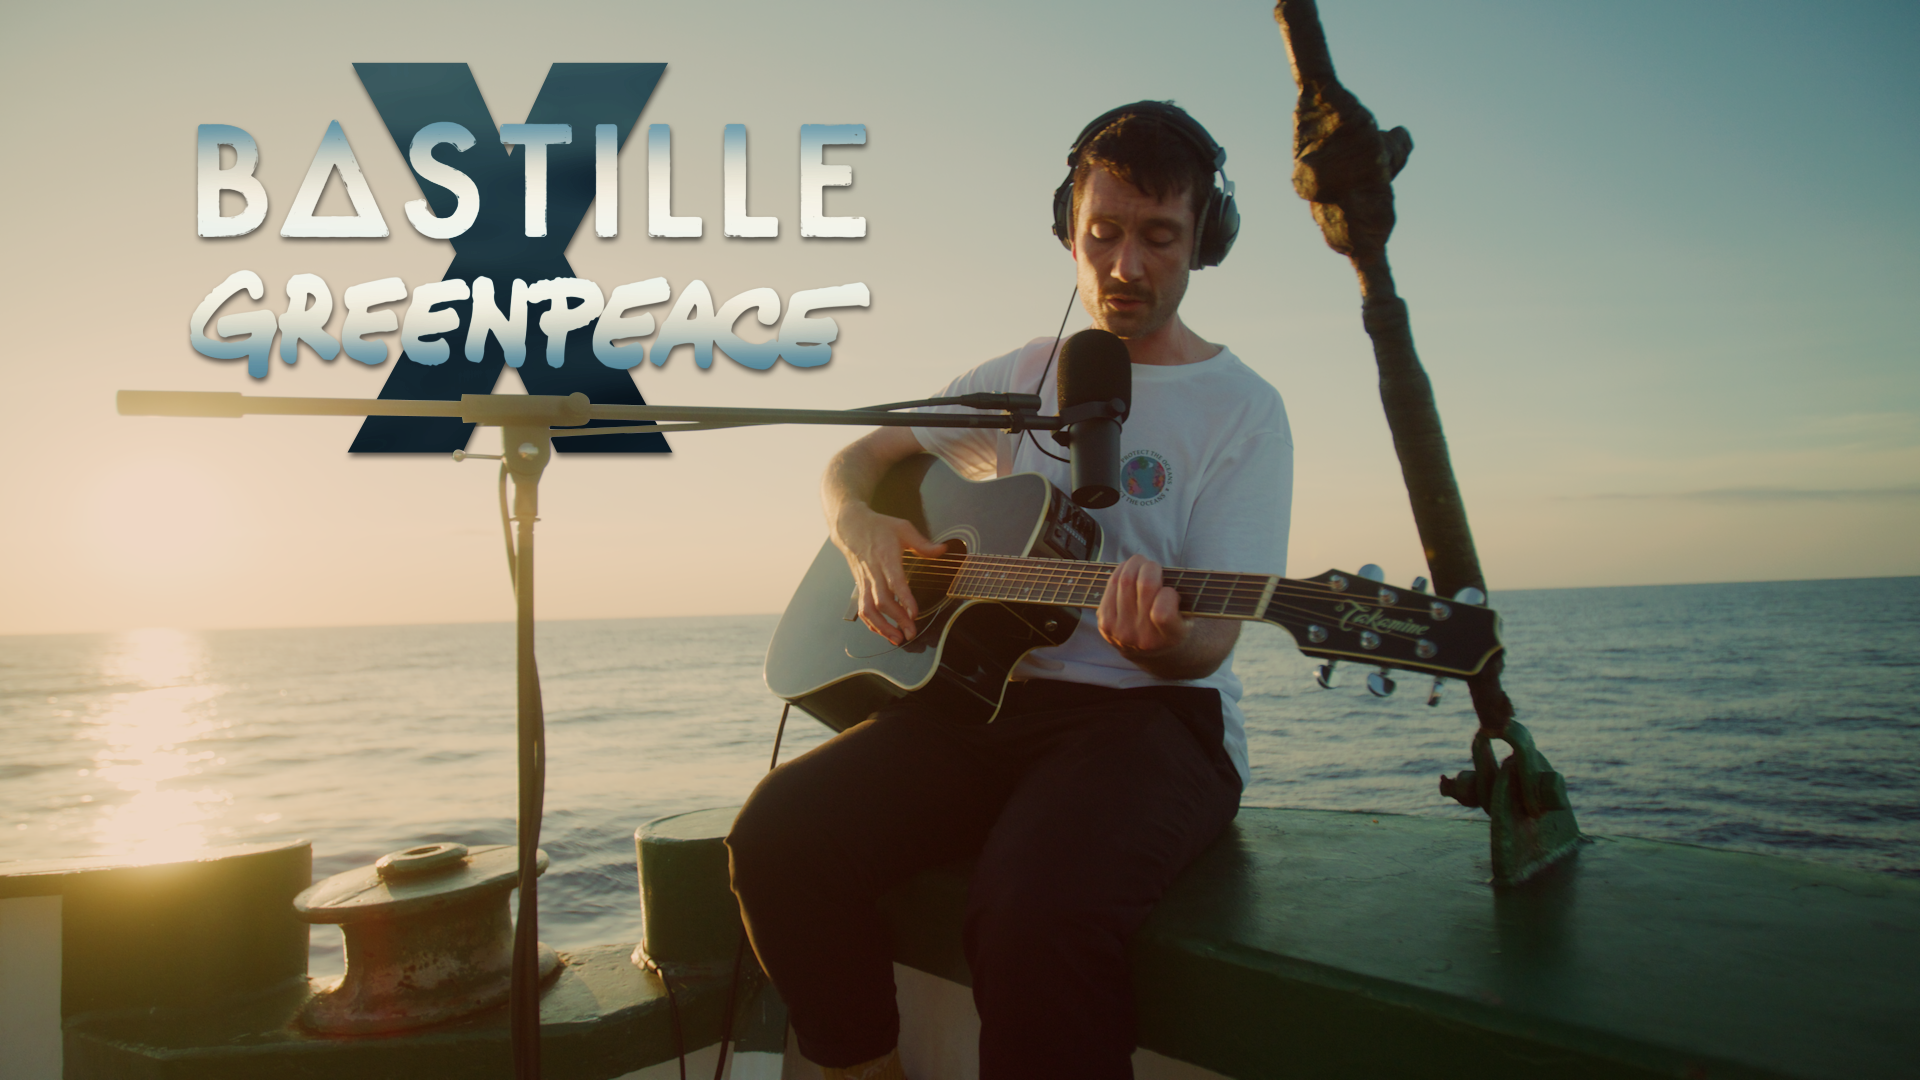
(1210, 593)
(1334, 615)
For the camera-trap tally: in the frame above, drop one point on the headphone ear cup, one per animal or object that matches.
(1063, 212)
(1219, 225)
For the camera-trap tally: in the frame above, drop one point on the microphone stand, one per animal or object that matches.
(528, 425)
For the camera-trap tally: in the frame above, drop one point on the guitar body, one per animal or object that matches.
(826, 661)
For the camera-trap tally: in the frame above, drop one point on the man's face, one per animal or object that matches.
(1132, 252)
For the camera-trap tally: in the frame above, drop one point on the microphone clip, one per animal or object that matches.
(1114, 409)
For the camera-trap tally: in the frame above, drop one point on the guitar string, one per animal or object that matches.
(1239, 598)
(1205, 593)
(927, 618)
(1015, 570)
(1249, 587)
(1199, 581)
(1019, 567)
(1036, 569)
(1012, 567)
(1305, 616)
(1205, 590)
(1089, 575)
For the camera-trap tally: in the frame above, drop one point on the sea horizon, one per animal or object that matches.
(724, 614)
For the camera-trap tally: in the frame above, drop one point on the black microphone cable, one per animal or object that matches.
(1051, 353)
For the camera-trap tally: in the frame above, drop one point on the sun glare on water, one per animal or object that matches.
(155, 737)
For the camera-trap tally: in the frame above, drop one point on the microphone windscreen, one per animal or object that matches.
(1094, 366)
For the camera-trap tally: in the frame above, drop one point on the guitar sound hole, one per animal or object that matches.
(931, 578)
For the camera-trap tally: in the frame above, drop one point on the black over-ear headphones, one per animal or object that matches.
(1219, 220)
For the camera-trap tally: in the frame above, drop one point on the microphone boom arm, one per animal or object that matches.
(1019, 411)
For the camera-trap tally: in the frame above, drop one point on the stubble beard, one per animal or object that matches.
(1155, 313)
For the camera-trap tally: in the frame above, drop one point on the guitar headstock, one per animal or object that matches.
(1339, 615)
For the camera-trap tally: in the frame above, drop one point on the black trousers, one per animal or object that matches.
(1082, 804)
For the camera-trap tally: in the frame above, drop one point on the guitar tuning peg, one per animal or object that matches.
(1419, 584)
(1433, 695)
(1323, 674)
(1372, 572)
(1470, 595)
(1379, 684)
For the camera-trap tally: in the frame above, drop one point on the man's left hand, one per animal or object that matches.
(1139, 614)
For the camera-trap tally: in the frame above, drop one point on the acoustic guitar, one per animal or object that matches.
(1017, 574)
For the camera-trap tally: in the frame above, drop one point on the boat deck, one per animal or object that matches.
(1318, 943)
(1302, 944)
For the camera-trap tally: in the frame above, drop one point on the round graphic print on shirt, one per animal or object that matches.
(1145, 477)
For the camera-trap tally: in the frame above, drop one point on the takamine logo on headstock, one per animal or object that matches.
(1357, 616)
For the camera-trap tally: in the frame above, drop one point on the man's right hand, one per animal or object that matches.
(874, 544)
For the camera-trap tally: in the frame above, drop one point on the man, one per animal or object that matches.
(1116, 757)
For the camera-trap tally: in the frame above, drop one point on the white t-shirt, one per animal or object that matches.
(1207, 477)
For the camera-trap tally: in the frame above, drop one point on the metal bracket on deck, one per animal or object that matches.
(1525, 800)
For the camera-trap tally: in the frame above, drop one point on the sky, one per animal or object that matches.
(1659, 257)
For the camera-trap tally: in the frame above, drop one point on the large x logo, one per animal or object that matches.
(411, 96)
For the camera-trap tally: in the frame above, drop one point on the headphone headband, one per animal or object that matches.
(1167, 115)
(1219, 220)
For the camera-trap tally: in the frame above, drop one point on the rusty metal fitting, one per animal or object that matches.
(1535, 783)
(1463, 789)
(1531, 818)
(428, 938)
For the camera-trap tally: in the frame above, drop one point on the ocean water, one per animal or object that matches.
(1777, 717)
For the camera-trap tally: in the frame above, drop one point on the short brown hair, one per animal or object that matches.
(1146, 152)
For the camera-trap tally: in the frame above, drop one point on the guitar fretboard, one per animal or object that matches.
(1082, 584)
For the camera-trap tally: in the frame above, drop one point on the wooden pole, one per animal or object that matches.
(1344, 166)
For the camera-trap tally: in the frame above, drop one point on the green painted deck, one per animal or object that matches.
(1302, 944)
(1324, 944)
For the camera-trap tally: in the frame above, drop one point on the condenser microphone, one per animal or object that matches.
(1094, 370)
